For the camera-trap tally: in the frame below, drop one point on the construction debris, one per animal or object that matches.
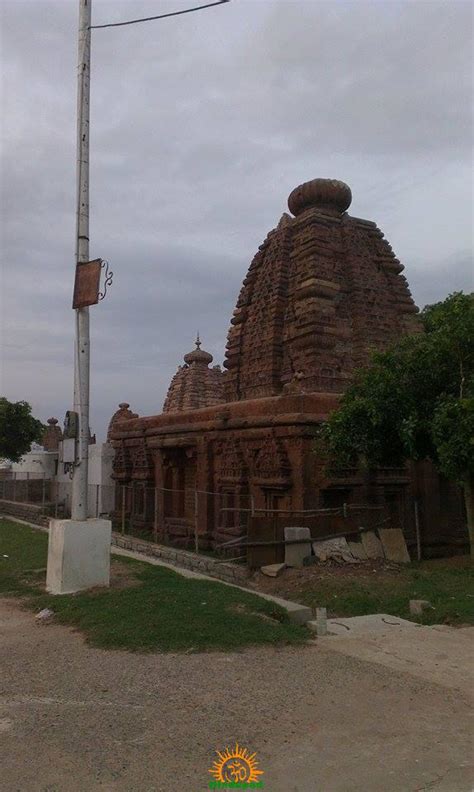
(334, 550)
(418, 606)
(44, 615)
(272, 570)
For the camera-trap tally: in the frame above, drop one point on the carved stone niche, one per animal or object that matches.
(143, 463)
(232, 463)
(271, 466)
(122, 464)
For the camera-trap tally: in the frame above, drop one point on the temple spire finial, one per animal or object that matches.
(198, 341)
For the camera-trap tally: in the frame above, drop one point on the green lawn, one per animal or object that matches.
(147, 608)
(448, 584)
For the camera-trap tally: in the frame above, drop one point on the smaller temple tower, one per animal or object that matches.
(195, 385)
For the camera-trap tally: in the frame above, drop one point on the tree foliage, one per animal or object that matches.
(414, 401)
(18, 429)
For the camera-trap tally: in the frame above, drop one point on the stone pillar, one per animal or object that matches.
(205, 483)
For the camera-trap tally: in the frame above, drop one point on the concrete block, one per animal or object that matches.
(272, 570)
(418, 606)
(372, 545)
(296, 553)
(78, 555)
(394, 545)
(321, 621)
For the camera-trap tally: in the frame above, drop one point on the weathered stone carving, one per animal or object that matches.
(271, 463)
(142, 462)
(122, 464)
(52, 435)
(323, 290)
(232, 466)
(195, 385)
(123, 414)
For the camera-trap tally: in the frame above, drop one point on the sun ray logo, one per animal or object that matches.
(236, 769)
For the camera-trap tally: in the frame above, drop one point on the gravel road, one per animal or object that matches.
(76, 719)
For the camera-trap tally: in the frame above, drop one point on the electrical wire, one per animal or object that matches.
(160, 16)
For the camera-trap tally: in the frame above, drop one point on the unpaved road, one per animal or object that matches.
(322, 719)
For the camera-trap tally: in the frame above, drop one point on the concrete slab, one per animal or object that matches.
(372, 545)
(78, 555)
(441, 655)
(394, 545)
(367, 625)
(296, 553)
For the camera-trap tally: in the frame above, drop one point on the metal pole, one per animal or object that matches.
(82, 350)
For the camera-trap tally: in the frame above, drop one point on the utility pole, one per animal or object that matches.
(82, 341)
(79, 548)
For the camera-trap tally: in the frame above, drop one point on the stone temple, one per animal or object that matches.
(322, 292)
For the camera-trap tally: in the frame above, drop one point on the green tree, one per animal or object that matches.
(415, 401)
(18, 429)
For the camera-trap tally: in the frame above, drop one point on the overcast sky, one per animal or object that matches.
(201, 125)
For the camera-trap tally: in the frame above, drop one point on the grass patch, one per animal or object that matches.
(447, 584)
(161, 610)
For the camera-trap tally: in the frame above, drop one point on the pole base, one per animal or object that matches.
(78, 555)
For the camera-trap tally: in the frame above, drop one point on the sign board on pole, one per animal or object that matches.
(86, 284)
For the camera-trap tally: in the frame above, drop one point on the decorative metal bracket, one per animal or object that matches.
(108, 278)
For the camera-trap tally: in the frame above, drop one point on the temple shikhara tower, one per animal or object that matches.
(322, 292)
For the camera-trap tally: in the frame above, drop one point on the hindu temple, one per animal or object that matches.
(323, 291)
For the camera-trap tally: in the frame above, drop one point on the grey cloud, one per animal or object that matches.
(200, 129)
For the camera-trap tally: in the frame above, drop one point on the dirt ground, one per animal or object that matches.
(295, 582)
(321, 718)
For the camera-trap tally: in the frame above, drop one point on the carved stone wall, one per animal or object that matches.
(322, 292)
(195, 385)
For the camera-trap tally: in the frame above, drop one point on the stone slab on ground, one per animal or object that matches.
(372, 545)
(272, 570)
(334, 549)
(367, 625)
(439, 654)
(394, 545)
(418, 606)
(358, 551)
(296, 553)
